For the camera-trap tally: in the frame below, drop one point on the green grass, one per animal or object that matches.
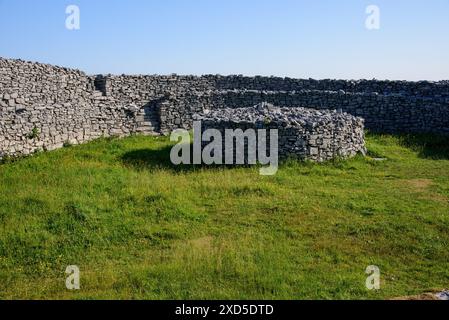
(139, 228)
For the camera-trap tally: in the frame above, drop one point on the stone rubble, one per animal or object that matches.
(305, 134)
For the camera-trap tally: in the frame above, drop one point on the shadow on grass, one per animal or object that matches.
(150, 159)
(153, 159)
(429, 146)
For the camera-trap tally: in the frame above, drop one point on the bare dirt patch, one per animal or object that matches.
(424, 296)
(420, 184)
(204, 243)
(423, 189)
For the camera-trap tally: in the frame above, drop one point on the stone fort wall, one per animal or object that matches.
(42, 107)
(392, 113)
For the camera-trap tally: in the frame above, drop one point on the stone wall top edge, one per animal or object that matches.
(218, 76)
(238, 76)
(47, 65)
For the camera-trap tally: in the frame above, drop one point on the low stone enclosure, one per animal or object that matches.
(304, 134)
(43, 107)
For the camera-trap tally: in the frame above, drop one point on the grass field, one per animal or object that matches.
(139, 228)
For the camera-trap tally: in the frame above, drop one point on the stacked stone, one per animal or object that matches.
(387, 106)
(44, 106)
(305, 134)
(394, 113)
(383, 87)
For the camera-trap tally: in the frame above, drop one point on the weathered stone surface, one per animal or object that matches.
(43, 106)
(54, 105)
(306, 134)
(389, 113)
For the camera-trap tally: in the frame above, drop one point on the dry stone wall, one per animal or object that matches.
(44, 106)
(383, 87)
(305, 134)
(391, 113)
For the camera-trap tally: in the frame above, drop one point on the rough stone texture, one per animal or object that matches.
(393, 113)
(42, 107)
(65, 105)
(306, 134)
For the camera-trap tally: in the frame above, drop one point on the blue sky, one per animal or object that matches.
(296, 38)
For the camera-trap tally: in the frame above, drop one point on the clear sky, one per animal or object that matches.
(295, 38)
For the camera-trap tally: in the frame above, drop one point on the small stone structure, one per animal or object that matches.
(306, 134)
